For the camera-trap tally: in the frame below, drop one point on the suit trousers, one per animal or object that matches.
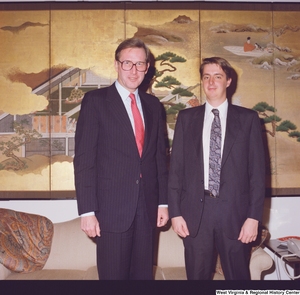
(128, 255)
(200, 251)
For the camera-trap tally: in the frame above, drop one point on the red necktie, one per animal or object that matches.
(138, 124)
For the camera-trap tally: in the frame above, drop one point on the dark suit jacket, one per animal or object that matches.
(107, 163)
(242, 184)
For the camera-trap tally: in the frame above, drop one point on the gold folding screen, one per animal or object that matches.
(51, 54)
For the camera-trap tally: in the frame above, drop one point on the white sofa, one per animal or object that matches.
(73, 257)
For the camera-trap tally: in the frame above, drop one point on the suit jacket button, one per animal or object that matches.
(137, 181)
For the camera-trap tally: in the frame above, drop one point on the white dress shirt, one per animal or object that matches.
(124, 93)
(208, 119)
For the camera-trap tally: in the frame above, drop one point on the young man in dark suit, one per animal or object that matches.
(217, 179)
(121, 168)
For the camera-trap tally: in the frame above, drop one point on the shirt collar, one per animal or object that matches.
(222, 108)
(124, 93)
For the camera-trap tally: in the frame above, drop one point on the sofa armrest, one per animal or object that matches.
(259, 262)
(71, 248)
(4, 272)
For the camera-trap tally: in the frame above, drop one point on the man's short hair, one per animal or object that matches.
(132, 43)
(222, 62)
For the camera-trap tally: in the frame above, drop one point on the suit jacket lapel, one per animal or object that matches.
(119, 111)
(148, 119)
(197, 130)
(233, 121)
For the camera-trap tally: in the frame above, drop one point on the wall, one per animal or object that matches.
(267, 83)
(56, 210)
(281, 214)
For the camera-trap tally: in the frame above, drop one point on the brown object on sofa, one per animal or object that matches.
(25, 240)
(72, 256)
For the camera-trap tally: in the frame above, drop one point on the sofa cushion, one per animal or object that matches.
(158, 273)
(174, 273)
(91, 274)
(25, 240)
(57, 274)
(49, 274)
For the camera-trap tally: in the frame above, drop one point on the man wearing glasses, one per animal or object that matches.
(121, 169)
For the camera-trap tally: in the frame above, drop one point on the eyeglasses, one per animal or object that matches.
(127, 65)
